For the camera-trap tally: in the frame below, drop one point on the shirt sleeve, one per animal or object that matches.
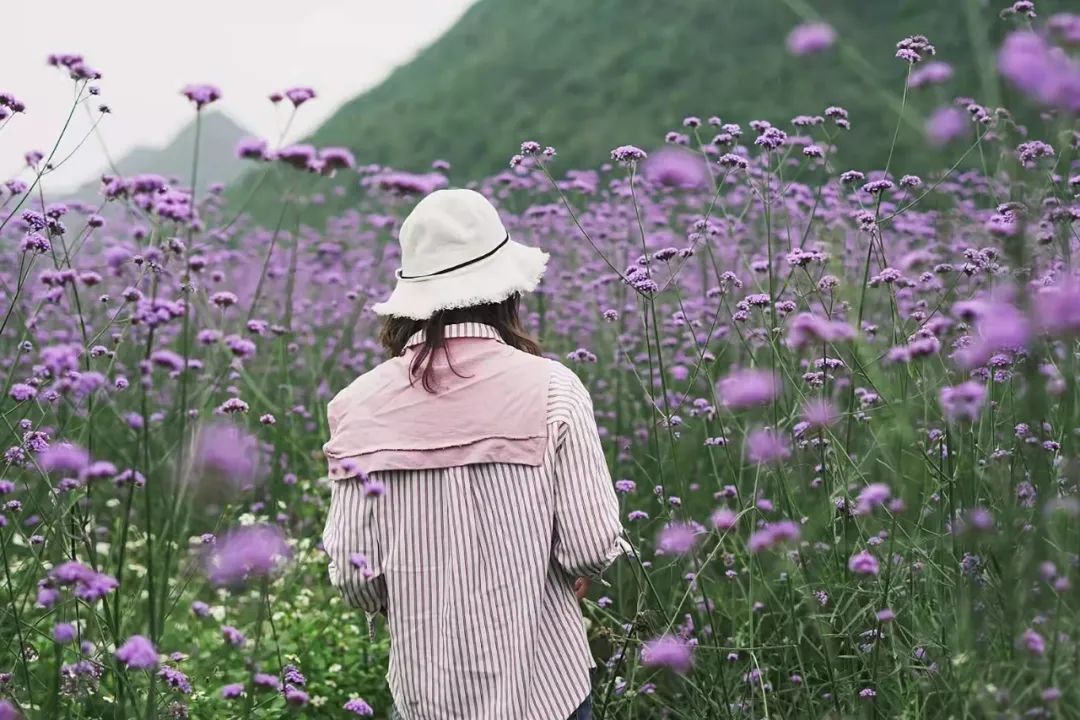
(588, 532)
(351, 540)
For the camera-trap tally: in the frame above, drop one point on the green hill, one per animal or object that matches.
(217, 159)
(587, 75)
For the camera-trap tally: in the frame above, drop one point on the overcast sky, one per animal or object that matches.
(147, 51)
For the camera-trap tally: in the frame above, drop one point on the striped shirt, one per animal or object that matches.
(474, 566)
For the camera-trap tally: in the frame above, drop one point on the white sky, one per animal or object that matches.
(147, 50)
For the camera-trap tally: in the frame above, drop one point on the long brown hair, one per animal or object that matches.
(502, 316)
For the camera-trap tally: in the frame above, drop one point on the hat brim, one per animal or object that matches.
(515, 268)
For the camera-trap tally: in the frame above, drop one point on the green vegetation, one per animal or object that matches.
(586, 76)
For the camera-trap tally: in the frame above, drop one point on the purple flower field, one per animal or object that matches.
(840, 404)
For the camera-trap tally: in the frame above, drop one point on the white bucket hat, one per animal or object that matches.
(456, 253)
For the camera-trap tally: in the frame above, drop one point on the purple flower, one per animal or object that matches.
(232, 691)
(232, 636)
(167, 359)
(743, 389)
(64, 633)
(809, 38)
(21, 393)
(226, 456)
(357, 706)
(201, 95)
(336, 158)
(295, 696)
(403, 183)
(914, 49)
(252, 148)
(809, 330)
(299, 95)
(933, 73)
(1033, 642)
(863, 563)
(137, 652)
(673, 167)
(1043, 72)
(946, 124)
(64, 458)
(998, 326)
(678, 538)
(724, 518)
(1057, 309)
(175, 679)
(668, 651)
(628, 154)
(8, 711)
(963, 401)
(766, 447)
(265, 680)
(247, 552)
(819, 413)
(872, 496)
(772, 534)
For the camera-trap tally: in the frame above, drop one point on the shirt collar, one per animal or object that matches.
(459, 330)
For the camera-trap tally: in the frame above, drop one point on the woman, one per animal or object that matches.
(470, 489)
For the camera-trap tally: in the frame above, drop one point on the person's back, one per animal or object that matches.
(470, 490)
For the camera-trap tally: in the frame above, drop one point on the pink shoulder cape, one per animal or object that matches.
(491, 408)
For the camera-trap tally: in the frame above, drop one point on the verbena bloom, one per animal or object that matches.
(64, 458)
(872, 496)
(137, 652)
(247, 552)
(252, 148)
(668, 651)
(863, 563)
(336, 158)
(963, 401)
(295, 696)
(357, 706)
(87, 584)
(1057, 309)
(743, 389)
(933, 73)
(765, 447)
(998, 326)
(232, 691)
(819, 412)
(1043, 72)
(1033, 642)
(724, 518)
(678, 538)
(175, 679)
(226, 455)
(8, 711)
(628, 154)
(299, 95)
(232, 636)
(673, 167)
(772, 534)
(811, 37)
(64, 632)
(885, 615)
(201, 95)
(945, 125)
(809, 330)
